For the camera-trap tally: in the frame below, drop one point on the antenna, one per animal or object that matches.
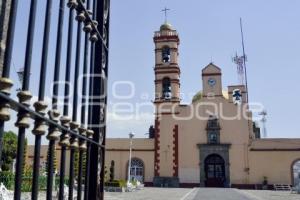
(264, 121)
(244, 59)
(239, 61)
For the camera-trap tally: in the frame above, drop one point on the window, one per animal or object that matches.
(166, 86)
(137, 170)
(166, 55)
(213, 138)
(296, 173)
(213, 130)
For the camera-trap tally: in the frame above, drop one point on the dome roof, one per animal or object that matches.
(198, 96)
(166, 27)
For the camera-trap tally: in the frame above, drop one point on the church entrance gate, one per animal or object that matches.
(214, 171)
(214, 165)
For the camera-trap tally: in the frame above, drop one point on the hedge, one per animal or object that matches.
(8, 179)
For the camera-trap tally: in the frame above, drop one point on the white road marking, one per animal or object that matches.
(250, 195)
(188, 194)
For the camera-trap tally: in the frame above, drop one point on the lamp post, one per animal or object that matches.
(131, 135)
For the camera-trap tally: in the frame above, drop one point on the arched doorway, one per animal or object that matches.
(296, 173)
(137, 169)
(166, 86)
(214, 171)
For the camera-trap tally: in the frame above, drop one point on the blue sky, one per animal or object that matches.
(209, 30)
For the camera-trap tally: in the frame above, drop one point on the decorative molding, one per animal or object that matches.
(168, 38)
(166, 66)
(128, 149)
(175, 151)
(168, 72)
(157, 148)
(160, 49)
(212, 74)
(296, 149)
(168, 113)
(171, 80)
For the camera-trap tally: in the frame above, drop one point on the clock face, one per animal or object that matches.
(212, 82)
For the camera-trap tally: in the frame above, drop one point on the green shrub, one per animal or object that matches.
(8, 179)
(116, 183)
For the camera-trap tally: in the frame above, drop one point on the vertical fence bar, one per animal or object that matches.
(1, 138)
(71, 173)
(74, 143)
(24, 98)
(65, 120)
(90, 132)
(54, 133)
(83, 109)
(62, 171)
(40, 105)
(99, 103)
(5, 82)
(104, 66)
(87, 171)
(10, 38)
(87, 167)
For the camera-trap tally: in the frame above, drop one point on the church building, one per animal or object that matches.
(211, 142)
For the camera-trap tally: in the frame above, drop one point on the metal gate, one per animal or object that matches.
(87, 56)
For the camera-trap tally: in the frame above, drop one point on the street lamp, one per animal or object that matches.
(131, 135)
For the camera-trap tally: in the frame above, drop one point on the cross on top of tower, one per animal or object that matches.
(165, 10)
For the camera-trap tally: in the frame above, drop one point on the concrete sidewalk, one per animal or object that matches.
(201, 194)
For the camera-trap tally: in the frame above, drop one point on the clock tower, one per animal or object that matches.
(212, 81)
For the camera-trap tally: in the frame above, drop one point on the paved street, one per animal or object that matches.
(201, 194)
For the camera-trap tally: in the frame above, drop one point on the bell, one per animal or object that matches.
(94, 37)
(166, 57)
(72, 4)
(87, 27)
(80, 16)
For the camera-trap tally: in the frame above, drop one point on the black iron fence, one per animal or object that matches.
(60, 126)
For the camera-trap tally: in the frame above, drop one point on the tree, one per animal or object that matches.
(112, 171)
(76, 163)
(197, 97)
(83, 163)
(54, 160)
(24, 156)
(9, 151)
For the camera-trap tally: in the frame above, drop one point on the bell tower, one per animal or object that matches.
(167, 71)
(167, 97)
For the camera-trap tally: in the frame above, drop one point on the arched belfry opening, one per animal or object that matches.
(166, 87)
(166, 54)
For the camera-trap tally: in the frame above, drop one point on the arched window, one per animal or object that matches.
(166, 86)
(296, 172)
(137, 170)
(166, 55)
